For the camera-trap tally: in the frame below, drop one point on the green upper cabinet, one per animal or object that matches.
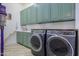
(67, 11)
(47, 12)
(24, 17)
(62, 11)
(54, 11)
(28, 16)
(43, 12)
(32, 15)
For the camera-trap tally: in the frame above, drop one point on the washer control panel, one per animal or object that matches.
(62, 32)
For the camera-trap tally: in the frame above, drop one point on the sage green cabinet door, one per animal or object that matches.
(19, 38)
(29, 36)
(24, 17)
(26, 38)
(62, 11)
(67, 11)
(43, 12)
(54, 12)
(32, 15)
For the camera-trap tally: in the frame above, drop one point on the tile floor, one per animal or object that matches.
(17, 50)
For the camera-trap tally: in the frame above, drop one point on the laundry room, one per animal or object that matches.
(39, 29)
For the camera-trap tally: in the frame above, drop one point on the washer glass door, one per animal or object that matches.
(36, 42)
(59, 46)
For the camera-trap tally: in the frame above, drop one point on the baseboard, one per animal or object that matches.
(24, 45)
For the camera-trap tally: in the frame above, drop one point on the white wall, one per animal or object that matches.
(77, 16)
(11, 40)
(77, 20)
(11, 24)
(14, 23)
(58, 25)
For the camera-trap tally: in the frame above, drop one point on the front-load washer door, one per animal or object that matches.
(36, 42)
(59, 46)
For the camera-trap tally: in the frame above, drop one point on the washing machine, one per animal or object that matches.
(62, 42)
(37, 42)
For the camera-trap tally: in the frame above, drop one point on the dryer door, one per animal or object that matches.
(59, 46)
(36, 42)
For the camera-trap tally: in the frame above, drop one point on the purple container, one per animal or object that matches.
(2, 14)
(2, 10)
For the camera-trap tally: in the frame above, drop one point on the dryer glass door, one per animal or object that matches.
(36, 43)
(59, 46)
